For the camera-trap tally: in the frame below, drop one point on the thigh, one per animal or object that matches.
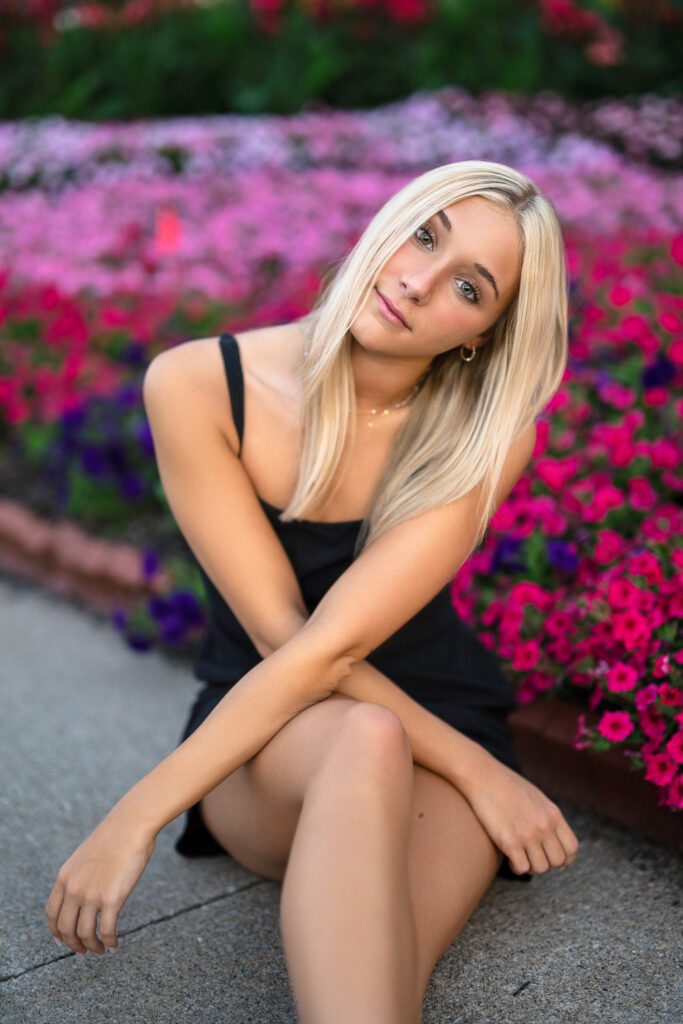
(452, 862)
(253, 813)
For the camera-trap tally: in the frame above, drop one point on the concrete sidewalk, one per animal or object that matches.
(83, 718)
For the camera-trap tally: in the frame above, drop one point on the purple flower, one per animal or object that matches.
(504, 556)
(93, 461)
(150, 563)
(132, 486)
(658, 374)
(186, 604)
(562, 555)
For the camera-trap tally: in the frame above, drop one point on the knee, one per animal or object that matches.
(373, 732)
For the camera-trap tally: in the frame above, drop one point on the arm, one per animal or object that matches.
(323, 653)
(212, 497)
(435, 744)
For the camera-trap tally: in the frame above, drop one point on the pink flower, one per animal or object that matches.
(526, 655)
(670, 695)
(631, 628)
(674, 796)
(609, 545)
(621, 677)
(661, 666)
(674, 746)
(677, 248)
(620, 295)
(167, 231)
(645, 697)
(652, 724)
(615, 725)
(556, 473)
(659, 769)
(646, 565)
(621, 593)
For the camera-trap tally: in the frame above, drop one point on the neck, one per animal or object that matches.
(380, 381)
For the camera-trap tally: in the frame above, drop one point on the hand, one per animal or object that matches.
(528, 827)
(97, 878)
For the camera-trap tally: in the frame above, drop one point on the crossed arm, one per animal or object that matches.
(305, 658)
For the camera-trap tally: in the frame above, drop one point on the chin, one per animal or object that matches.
(369, 334)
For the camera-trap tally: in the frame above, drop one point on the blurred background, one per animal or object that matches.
(173, 168)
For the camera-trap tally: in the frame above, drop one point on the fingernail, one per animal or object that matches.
(111, 949)
(58, 941)
(80, 952)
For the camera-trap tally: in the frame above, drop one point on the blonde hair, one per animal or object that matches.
(465, 416)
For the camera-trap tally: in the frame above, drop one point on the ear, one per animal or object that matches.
(485, 336)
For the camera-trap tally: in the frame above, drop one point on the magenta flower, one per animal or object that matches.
(631, 628)
(621, 677)
(674, 796)
(615, 725)
(645, 697)
(670, 695)
(653, 724)
(674, 746)
(526, 655)
(660, 769)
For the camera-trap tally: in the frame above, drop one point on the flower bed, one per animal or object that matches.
(99, 59)
(578, 585)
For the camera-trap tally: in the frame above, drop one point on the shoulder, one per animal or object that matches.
(268, 354)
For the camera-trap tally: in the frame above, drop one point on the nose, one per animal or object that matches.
(417, 284)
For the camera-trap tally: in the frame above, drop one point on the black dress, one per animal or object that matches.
(434, 656)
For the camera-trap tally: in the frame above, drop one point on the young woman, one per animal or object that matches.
(350, 739)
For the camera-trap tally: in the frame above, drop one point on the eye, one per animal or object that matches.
(476, 294)
(427, 231)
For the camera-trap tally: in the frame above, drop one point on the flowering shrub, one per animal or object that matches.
(53, 17)
(578, 585)
(104, 59)
(567, 19)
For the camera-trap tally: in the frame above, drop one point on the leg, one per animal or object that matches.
(347, 921)
(254, 812)
(452, 862)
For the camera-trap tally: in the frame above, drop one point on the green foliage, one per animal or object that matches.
(216, 59)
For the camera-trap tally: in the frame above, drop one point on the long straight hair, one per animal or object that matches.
(465, 416)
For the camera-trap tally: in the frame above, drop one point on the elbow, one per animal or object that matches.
(335, 658)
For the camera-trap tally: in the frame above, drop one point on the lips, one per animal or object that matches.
(394, 309)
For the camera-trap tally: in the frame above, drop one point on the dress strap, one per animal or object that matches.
(233, 371)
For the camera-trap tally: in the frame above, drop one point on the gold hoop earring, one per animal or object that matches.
(468, 359)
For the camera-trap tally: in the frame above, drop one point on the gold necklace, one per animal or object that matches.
(396, 405)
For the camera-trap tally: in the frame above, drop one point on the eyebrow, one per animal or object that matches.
(478, 266)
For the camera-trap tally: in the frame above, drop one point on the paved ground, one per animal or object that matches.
(84, 718)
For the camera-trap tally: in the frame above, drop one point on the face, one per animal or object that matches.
(435, 284)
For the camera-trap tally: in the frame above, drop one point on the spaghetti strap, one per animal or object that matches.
(233, 371)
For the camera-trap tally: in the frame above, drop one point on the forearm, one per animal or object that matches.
(435, 744)
(298, 674)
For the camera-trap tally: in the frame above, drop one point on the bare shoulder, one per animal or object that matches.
(268, 355)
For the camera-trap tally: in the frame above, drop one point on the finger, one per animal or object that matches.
(537, 858)
(86, 929)
(554, 851)
(108, 916)
(517, 859)
(52, 909)
(569, 842)
(66, 923)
